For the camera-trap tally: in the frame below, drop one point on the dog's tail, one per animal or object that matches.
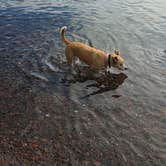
(62, 32)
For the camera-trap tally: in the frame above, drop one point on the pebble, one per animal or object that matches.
(47, 115)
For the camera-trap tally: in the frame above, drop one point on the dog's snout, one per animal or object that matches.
(123, 67)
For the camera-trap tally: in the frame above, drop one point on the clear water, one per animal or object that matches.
(111, 121)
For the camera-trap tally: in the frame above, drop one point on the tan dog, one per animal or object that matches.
(96, 59)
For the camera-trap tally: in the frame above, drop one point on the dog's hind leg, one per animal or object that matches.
(69, 55)
(70, 58)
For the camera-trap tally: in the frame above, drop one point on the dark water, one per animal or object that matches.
(50, 117)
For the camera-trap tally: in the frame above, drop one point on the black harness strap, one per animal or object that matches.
(109, 60)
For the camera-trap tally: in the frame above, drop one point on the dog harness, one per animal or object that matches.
(107, 60)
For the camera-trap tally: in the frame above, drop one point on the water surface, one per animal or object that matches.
(49, 116)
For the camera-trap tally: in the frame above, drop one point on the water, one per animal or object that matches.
(49, 116)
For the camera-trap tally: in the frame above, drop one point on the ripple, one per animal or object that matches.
(37, 75)
(85, 117)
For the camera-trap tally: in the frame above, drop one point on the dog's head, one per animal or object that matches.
(117, 60)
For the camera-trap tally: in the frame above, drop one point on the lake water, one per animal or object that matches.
(49, 116)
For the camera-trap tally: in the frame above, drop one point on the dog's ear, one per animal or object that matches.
(117, 52)
(115, 60)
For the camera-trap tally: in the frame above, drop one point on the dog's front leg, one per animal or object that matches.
(107, 70)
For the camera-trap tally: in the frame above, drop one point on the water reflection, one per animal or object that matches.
(65, 118)
(103, 81)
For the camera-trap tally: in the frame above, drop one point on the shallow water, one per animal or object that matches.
(84, 119)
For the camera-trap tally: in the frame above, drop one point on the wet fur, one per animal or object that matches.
(91, 56)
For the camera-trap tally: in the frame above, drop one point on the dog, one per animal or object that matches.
(96, 59)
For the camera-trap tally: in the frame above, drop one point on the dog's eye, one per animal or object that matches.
(115, 59)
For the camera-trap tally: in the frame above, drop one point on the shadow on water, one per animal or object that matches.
(103, 81)
(108, 82)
